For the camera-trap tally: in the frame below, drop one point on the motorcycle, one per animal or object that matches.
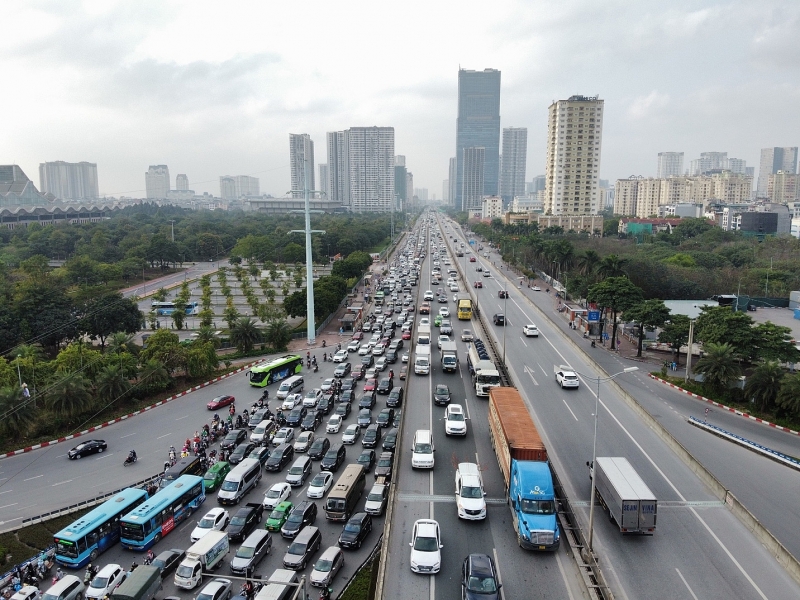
(129, 461)
(316, 368)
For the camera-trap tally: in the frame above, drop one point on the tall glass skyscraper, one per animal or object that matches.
(478, 126)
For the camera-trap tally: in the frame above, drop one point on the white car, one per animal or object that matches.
(27, 592)
(304, 441)
(454, 421)
(404, 357)
(353, 346)
(424, 321)
(106, 581)
(320, 485)
(428, 295)
(444, 312)
(215, 519)
(566, 377)
(284, 435)
(291, 401)
(327, 384)
(313, 396)
(217, 589)
(426, 546)
(470, 497)
(276, 494)
(340, 356)
(378, 350)
(365, 349)
(351, 434)
(442, 339)
(530, 330)
(536, 288)
(334, 424)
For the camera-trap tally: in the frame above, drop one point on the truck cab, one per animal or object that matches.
(533, 501)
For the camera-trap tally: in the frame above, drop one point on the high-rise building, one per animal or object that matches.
(324, 181)
(339, 167)
(451, 182)
(157, 181)
(400, 178)
(772, 161)
(233, 187)
(709, 161)
(371, 156)
(536, 184)
(421, 193)
(409, 188)
(574, 141)
(515, 155)
(783, 187)
(670, 164)
(181, 182)
(301, 151)
(69, 181)
(446, 191)
(478, 126)
(737, 165)
(472, 180)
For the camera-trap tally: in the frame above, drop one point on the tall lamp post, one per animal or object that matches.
(598, 381)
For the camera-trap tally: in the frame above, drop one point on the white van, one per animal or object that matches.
(422, 450)
(244, 477)
(292, 385)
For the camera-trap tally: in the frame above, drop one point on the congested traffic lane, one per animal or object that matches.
(699, 546)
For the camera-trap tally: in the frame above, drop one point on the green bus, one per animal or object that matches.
(276, 370)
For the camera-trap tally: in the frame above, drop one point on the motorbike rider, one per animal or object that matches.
(148, 558)
(132, 456)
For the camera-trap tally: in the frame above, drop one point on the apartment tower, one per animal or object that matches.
(670, 164)
(772, 161)
(301, 150)
(338, 167)
(156, 182)
(69, 181)
(371, 157)
(512, 171)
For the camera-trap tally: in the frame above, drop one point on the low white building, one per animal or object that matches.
(491, 207)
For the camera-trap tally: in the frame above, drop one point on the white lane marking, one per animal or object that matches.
(129, 435)
(530, 372)
(523, 341)
(105, 455)
(34, 477)
(466, 408)
(62, 483)
(569, 409)
(163, 436)
(564, 576)
(6, 492)
(542, 368)
(7, 505)
(181, 418)
(683, 579)
(499, 578)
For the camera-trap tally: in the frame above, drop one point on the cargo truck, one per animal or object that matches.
(203, 556)
(484, 374)
(449, 357)
(621, 491)
(422, 359)
(526, 472)
(142, 584)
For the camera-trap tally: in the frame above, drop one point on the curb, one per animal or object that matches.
(128, 416)
(725, 407)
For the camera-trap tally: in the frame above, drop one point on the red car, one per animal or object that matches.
(471, 259)
(358, 335)
(220, 401)
(358, 373)
(370, 385)
(478, 284)
(406, 335)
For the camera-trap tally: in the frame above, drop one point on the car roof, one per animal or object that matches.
(455, 408)
(426, 527)
(330, 553)
(216, 511)
(480, 564)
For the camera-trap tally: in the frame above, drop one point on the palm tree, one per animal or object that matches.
(789, 395)
(245, 334)
(718, 365)
(16, 412)
(587, 262)
(119, 342)
(111, 383)
(277, 334)
(612, 266)
(207, 334)
(153, 375)
(70, 396)
(764, 384)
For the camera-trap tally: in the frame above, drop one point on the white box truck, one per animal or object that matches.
(449, 357)
(203, 556)
(422, 359)
(626, 496)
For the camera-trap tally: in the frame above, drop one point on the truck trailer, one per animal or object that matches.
(629, 501)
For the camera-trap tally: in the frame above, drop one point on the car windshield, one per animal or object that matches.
(206, 523)
(323, 565)
(276, 514)
(319, 480)
(295, 518)
(100, 582)
(425, 544)
(205, 597)
(352, 527)
(331, 454)
(456, 416)
(375, 497)
(295, 470)
(245, 552)
(385, 462)
(442, 389)
(537, 507)
(237, 520)
(297, 549)
(471, 492)
(481, 584)
(273, 493)
(422, 449)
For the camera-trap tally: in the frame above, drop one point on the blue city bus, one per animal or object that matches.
(165, 309)
(151, 521)
(95, 532)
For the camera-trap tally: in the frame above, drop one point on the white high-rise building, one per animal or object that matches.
(301, 150)
(774, 160)
(422, 194)
(69, 181)
(324, 181)
(512, 167)
(473, 169)
(709, 161)
(783, 188)
(339, 167)
(670, 164)
(181, 182)
(371, 157)
(233, 187)
(157, 182)
(574, 141)
(737, 165)
(446, 191)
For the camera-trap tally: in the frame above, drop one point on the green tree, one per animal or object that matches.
(231, 315)
(119, 342)
(277, 334)
(616, 294)
(153, 377)
(17, 413)
(111, 383)
(201, 360)
(78, 357)
(245, 334)
(764, 384)
(209, 246)
(720, 325)
(207, 335)
(70, 396)
(649, 315)
(164, 346)
(587, 262)
(775, 343)
(611, 266)
(675, 332)
(718, 365)
(179, 313)
(206, 317)
(109, 313)
(789, 395)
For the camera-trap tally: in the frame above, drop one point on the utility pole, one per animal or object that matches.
(173, 230)
(689, 351)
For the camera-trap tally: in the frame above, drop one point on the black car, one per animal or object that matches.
(261, 454)
(366, 459)
(280, 457)
(364, 417)
(296, 416)
(334, 458)
(258, 416)
(385, 465)
(86, 448)
(342, 409)
(396, 422)
(479, 578)
(391, 356)
(385, 385)
(343, 370)
(390, 440)
(367, 400)
(244, 521)
(305, 513)
(241, 452)
(395, 398)
(167, 560)
(233, 439)
(385, 417)
(396, 345)
(372, 436)
(367, 361)
(347, 395)
(355, 531)
(325, 405)
(441, 395)
(319, 448)
(348, 383)
(311, 421)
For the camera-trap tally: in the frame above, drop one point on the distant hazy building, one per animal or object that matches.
(181, 182)
(478, 126)
(233, 187)
(737, 165)
(339, 167)
(451, 181)
(473, 168)
(409, 188)
(157, 182)
(371, 156)
(512, 173)
(709, 161)
(446, 191)
(783, 187)
(69, 181)
(421, 193)
(324, 181)
(670, 164)
(491, 207)
(17, 190)
(536, 184)
(574, 140)
(301, 151)
(772, 161)
(400, 180)
(625, 195)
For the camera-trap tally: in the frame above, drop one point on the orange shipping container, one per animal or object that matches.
(514, 434)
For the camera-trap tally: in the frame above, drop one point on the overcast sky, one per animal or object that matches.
(215, 88)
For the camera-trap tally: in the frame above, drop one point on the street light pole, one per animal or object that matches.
(505, 325)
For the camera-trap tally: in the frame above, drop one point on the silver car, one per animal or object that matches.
(327, 566)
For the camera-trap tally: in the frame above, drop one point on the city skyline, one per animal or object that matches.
(148, 94)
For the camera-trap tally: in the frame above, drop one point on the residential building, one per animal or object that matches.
(625, 194)
(451, 181)
(371, 158)
(732, 187)
(574, 141)
(446, 191)
(737, 165)
(473, 167)
(324, 181)
(670, 164)
(512, 170)
(400, 178)
(421, 193)
(339, 167)
(536, 184)
(400, 160)
(69, 181)
(640, 226)
(774, 160)
(157, 182)
(181, 182)
(709, 161)
(683, 210)
(409, 199)
(491, 207)
(525, 204)
(233, 187)
(590, 223)
(301, 156)
(478, 126)
(648, 196)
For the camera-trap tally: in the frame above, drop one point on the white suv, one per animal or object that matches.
(422, 450)
(469, 492)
